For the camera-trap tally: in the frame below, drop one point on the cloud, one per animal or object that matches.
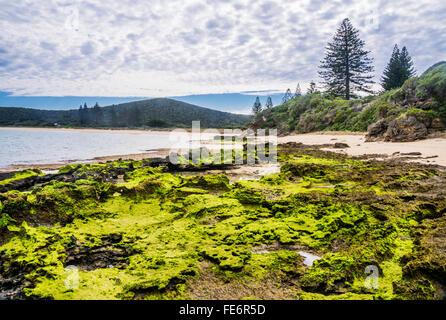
(88, 48)
(176, 47)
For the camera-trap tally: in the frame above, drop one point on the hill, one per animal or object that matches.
(419, 105)
(154, 113)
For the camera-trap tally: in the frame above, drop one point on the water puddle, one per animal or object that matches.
(309, 258)
(50, 171)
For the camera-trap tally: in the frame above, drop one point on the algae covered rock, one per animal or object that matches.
(158, 235)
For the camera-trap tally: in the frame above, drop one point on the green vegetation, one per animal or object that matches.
(423, 96)
(346, 67)
(21, 175)
(398, 70)
(153, 113)
(157, 235)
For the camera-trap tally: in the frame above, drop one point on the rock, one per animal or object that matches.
(437, 124)
(411, 154)
(340, 145)
(405, 129)
(376, 130)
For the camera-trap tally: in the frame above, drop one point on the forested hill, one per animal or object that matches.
(152, 113)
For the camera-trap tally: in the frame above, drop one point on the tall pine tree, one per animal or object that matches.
(287, 96)
(298, 92)
(269, 103)
(391, 76)
(257, 106)
(398, 70)
(408, 71)
(347, 66)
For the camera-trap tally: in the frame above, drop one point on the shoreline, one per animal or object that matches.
(430, 151)
(118, 130)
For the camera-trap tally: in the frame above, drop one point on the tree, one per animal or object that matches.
(113, 116)
(134, 116)
(269, 103)
(346, 66)
(85, 115)
(257, 106)
(287, 96)
(408, 71)
(398, 70)
(392, 72)
(312, 89)
(97, 114)
(298, 92)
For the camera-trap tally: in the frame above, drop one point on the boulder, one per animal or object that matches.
(437, 124)
(405, 129)
(340, 145)
(376, 130)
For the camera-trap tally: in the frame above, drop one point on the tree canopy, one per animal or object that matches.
(346, 67)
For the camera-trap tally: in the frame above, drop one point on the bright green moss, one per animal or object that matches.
(147, 236)
(22, 175)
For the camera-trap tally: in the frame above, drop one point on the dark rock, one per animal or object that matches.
(376, 130)
(411, 154)
(437, 124)
(340, 145)
(405, 129)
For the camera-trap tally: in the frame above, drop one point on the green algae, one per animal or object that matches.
(146, 236)
(22, 175)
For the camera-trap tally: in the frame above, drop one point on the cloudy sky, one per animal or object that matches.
(158, 48)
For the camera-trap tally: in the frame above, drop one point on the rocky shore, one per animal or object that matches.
(152, 230)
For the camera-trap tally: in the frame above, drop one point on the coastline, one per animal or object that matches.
(428, 151)
(114, 130)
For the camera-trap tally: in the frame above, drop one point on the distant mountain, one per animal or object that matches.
(153, 113)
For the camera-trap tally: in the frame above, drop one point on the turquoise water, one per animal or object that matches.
(43, 146)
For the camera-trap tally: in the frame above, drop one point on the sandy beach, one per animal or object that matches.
(433, 150)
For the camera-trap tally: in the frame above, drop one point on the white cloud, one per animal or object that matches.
(177, 47)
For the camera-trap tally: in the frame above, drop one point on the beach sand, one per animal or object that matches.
(433, 150)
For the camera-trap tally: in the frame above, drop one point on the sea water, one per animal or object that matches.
(48, 146)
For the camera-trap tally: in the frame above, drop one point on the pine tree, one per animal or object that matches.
(86, 115)
(287, 96)
(97, 114)
(408, 71)
(398, 70)
(81, 115)
(257, 106)
(269, 103)
(347, 66)
(312, 89)
(392, 72)
(113, 116)
(134, 116)
(298, 92)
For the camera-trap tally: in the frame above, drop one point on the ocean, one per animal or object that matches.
(45, 146)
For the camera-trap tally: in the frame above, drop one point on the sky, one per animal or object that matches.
(218, 54)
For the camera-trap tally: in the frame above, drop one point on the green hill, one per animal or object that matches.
(154, 113)
(423, 98)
